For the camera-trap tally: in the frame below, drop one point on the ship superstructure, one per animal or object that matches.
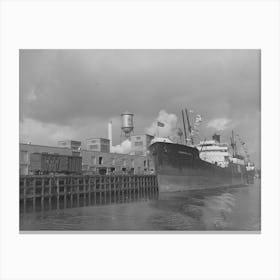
(218, 153)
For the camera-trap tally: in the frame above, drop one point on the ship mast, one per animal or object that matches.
(185, 132)
(233, 143)
(189, 126)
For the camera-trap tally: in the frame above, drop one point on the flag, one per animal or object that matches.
(198, 119)
(160, 124)
(180, 132)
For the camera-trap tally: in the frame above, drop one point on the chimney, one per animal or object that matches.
(110, 135)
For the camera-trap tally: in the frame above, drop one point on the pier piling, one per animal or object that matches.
(70, 191)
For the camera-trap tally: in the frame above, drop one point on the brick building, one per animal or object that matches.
(92, 161)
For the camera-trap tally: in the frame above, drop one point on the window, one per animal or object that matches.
(138, 137)
(104, 147)
(144, 163)
(93, 160)
(113, 161)
(132, 162)
(100, 159)
(23, 156)
(124, 162)
(137, 144)
(84, 167)
(93, 147)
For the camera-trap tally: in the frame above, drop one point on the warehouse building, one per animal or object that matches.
(93, 162)
(98, 145)
(70, 144)
(27, 149)
(112, 163)
(140, 144)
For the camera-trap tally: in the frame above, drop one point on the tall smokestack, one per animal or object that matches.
(110, 135)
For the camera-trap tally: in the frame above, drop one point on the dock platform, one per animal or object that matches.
(42, 192)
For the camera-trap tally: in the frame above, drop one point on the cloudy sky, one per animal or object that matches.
(72, 94)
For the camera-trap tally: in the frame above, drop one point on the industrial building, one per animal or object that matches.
(27, 149)
(108, 163)
(98, 145)
(97, 157)
(140, 144)
(70, 144)
(93, 162)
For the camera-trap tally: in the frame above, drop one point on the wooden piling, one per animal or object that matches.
(43, 194)
(108, 189)
(34, 195)
(24, 195)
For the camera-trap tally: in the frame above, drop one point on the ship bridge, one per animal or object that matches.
(214, 152)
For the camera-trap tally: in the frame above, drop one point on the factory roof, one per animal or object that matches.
(37, 145)
(69, 140)
(142, 135)
(97, 138)
(82, 150)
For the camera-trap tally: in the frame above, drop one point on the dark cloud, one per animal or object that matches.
(71, 88)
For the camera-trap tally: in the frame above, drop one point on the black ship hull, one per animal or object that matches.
(179, 168)
(250, 176)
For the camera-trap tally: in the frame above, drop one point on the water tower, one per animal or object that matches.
(127, 124)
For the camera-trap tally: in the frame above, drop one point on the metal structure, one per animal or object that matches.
(189, 126)
(127, 124)
(184, 125)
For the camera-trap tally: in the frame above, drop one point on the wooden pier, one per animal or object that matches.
(40, 193)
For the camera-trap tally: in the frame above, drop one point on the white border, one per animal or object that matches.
(156, 24)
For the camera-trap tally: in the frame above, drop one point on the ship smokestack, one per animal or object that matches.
(217, 137)
(110, 135)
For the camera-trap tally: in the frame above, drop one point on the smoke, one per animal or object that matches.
(219, 124)
(169, 122)
(123, 148)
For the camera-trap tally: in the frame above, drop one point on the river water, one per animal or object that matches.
(228, 209)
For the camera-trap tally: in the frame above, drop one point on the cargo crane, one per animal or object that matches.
(189, 125)
(185, 132)
(233, 144)
(250, 168)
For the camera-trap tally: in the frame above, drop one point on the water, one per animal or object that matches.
(237, 208)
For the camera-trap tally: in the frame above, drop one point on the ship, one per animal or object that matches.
(250, 172)
(186, 166)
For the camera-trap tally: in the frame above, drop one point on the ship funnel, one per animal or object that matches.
(217, 137)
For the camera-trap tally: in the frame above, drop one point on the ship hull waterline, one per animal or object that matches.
(172, 183)
(179, 168)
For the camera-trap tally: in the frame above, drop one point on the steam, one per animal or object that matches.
(219, 124)
(169, 128)
(123, 148)
(168, 120)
